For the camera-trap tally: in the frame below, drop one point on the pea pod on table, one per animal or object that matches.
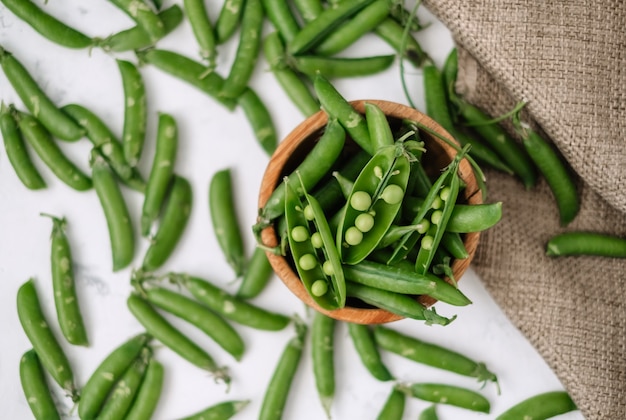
(540, 407)
(228, 20)
(323, 356)
(219, 411)
(147, 396)
(134, 129)
(313, 250)
(279, 13)
(364, 343)
(586, 243)
(259, 119)
(202, 29)
(451, 395)
(393, 409)
(338, 67)
(144, 16)
(35, 387)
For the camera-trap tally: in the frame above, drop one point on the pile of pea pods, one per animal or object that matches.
(375, 229)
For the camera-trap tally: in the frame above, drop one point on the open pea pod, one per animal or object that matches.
(313, 249)
(374, 202)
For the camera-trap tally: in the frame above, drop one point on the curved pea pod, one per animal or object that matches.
(393, 409)
(364, 343)
(36, 391)
(317, 261)
(335, 67)
(219, 411)
(541, 406)
(378, 192)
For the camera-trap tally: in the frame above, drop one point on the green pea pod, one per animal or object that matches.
(340, 67)
(134, 129)
(48, 26)
(401, 280)
(202, 29)
(56, 122)
(431, 354)
(586, 243)
(396, 303)
(323, 353)
(291, 82)
(541, 406)
(144, 16)
(364, 21)
(65, 297)
(365, 346)
(260, 120)
(338, 108)
(319, 268)
(393, 409)
(46, 148)
(312, 169)
(45, 344)
(377, 194)
(378, 126)
(149, 392)
(17, 153)
(392, 33)
(176, 212)
(325, 23)
(223, 214)
(429, 413)
(256, 276)
(280, 383)
(36, 389)
(464, 218)
(108, 372)
(122, 395)
(279, 13)
(308, 9)
(229, 306)
(199, 316)
(136, 38)
(161, 173)
(119, 223)
(159, 328)
(220, 411)
(247, 51)
(228, 19)
(451, 395)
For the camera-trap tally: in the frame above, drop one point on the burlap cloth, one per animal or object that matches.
(568, 60)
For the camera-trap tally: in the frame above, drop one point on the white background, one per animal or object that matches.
(211, 138)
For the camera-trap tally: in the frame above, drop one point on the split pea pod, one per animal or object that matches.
(123, 393)
(553, 168)
(159, 328)
(108, 372)
(202, 29)
(338, 108)
(393, 409)
(45, 344)
(375, 201)
(279, 13)
(17, 153)
(450, 395)
(586, 243)
(259, 118)
(247, 51)
(199, 316)
(161, 173)
(65, 297)
(229, 306)
(277, 391)
(358, 25)
(134, 129)
(219, 411)
(119, 223)
(396, 303)
(223, 212)
(400, 280)
(102, 138)
(540, 407)
(325, 23)
(313, 250)
(176, 212)
(144, 16)
(366, 348)
(147, 397)
(136, 38)
(35, 387)
(47, 25)
(340, 67)
(256, 276)
(312, 169)
(228, 20)
(431, 354)
(189, 71)
(291, 82)
(41, 106)
(50, 153)
(408, 47)
(323, 353)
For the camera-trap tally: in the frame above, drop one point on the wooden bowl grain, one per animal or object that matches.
(295, 147)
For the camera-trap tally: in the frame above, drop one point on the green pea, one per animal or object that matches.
(392, 194)
(319, 288)
(364, 222)
(360, 200)
(353, 236)
(328, 268)
(316, 240)
(436, 217)
(308, 213)
(307, 262)
(299, 234)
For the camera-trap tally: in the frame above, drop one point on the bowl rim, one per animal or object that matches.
(271, 178)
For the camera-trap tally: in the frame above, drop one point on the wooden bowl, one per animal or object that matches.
(295, 147)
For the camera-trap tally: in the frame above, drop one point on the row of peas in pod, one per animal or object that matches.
(369, 216)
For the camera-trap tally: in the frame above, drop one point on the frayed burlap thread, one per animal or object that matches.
(566, 59)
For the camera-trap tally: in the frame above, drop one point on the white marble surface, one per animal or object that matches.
(211, 138)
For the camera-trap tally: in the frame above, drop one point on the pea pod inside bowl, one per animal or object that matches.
(361, 235)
